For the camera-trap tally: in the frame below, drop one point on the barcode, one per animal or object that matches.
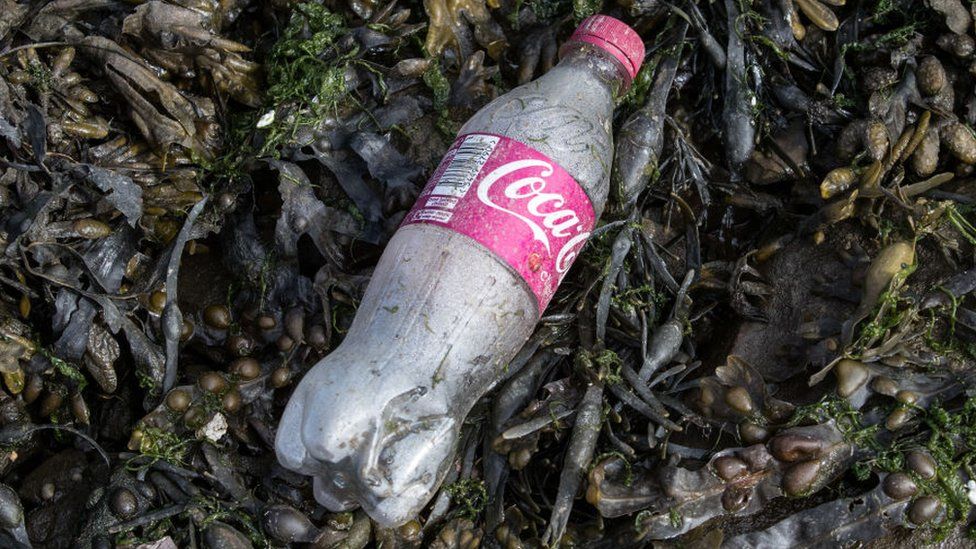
(468, 160)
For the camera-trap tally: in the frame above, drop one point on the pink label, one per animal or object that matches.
(513, 200)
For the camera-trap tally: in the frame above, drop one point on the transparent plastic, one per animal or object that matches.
(377, 420)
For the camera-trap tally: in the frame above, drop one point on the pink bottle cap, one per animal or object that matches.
(615, 37)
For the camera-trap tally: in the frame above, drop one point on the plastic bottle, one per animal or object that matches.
(462, 284)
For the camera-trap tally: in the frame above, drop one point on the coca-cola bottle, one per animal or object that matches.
(462, 284)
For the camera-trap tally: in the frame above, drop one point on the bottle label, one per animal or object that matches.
(513, 200)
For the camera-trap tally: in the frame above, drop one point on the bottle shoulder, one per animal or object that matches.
(570, 123)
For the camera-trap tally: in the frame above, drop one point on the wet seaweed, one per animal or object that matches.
(769, 340)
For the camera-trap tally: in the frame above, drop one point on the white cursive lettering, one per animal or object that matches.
(568, 253)
(558, 221)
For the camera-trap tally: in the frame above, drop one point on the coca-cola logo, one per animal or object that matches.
(544, 212)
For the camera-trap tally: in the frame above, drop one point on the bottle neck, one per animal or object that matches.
(604, 67)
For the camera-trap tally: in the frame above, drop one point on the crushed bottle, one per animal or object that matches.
(462, 283)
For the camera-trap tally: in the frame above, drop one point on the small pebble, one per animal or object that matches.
(124, 503)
